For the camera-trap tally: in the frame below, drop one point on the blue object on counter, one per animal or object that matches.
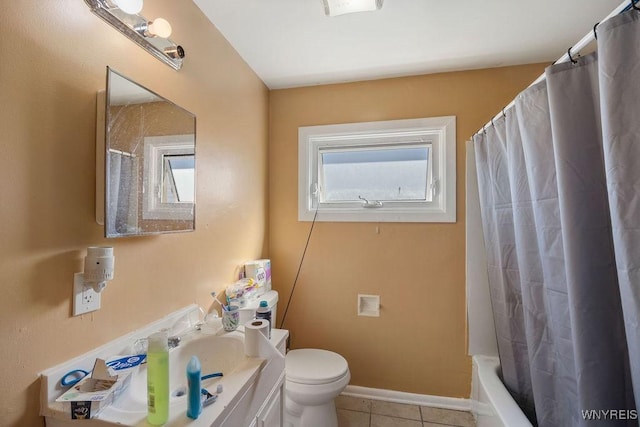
(73, 377)
(216, 374)
(194, 381)
(126, 362)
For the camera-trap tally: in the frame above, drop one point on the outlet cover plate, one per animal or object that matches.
(85, 299)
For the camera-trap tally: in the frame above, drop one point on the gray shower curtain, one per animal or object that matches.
(122, 204)
(559, 183)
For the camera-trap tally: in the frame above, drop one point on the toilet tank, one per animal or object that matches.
(248, 312)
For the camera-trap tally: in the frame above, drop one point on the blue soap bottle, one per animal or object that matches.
(194, 385)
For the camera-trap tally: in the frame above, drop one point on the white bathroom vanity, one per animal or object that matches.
(252, 387)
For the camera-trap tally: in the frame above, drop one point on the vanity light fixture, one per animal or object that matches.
(341, 7)
(152, 36)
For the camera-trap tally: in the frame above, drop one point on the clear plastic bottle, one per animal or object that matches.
(158, 379)
(264, 312)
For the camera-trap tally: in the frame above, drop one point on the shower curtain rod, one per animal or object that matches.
(122, 153)
(588, 38)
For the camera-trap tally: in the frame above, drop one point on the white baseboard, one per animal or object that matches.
(454, 403)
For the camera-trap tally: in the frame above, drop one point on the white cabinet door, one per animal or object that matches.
(272, 414)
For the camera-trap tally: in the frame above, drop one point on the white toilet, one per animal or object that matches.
(313, 378)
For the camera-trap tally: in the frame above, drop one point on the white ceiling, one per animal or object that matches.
(291, 43)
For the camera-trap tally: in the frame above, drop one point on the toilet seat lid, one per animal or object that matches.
(314, 366)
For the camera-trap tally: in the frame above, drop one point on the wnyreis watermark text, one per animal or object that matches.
(609, 414)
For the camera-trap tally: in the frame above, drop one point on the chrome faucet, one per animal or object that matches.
(173, 342)
(187, 324)
(141, 345)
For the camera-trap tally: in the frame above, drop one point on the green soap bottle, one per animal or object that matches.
(158, 379)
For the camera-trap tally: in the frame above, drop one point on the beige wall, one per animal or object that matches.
(418, 344)
(54, 59)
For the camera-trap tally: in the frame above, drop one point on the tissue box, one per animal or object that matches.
(94, 393)
(260, 271)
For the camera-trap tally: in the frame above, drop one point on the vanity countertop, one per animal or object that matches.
(51, 388)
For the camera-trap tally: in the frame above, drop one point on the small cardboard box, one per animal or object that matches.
(92, 394)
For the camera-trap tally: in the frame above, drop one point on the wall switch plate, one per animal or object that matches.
(85, 299)
(369, 305)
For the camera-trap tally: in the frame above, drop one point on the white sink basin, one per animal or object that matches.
(216, 353)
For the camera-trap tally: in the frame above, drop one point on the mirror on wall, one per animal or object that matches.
(150, 161)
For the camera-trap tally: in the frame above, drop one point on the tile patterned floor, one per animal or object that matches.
(356, 412)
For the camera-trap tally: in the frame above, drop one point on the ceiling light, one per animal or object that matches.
(340, 7)
(129, 6)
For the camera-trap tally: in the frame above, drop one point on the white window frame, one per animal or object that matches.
(155, 150)
(439, 132)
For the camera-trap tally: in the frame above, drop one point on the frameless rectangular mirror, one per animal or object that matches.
(149, 163)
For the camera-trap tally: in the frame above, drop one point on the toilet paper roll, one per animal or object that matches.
(255, 332)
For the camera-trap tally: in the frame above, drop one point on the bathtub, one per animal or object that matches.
(492, 405)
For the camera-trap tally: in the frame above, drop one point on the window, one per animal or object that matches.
(179, 178)
(169, 177)
(393, 171)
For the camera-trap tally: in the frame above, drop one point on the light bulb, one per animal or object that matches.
(129, 6)
(159, 28)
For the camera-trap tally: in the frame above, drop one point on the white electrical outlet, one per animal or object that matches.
(85, 299)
